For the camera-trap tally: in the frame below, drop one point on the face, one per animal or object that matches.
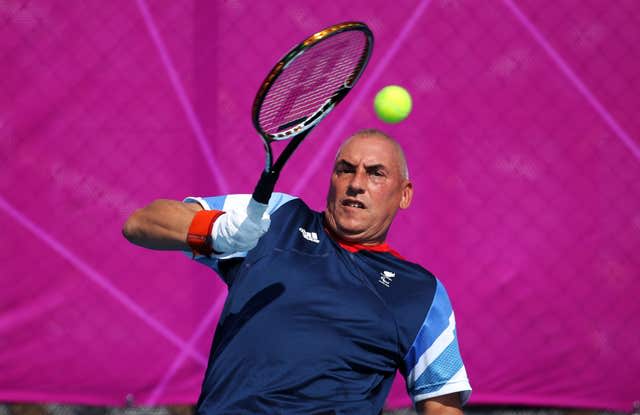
(367, 188)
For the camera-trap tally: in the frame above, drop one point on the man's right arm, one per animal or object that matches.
(163, 224)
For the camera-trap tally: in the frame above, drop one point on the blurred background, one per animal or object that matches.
(523, 147)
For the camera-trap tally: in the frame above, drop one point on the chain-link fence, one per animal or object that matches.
(523, 148)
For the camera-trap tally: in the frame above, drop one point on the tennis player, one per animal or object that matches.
(321, 312)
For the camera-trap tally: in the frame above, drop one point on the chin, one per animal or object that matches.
(350, 234)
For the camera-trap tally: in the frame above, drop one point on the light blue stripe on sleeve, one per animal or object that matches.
(434, 325)
(440, 371)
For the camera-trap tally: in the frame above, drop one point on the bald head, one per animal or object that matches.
(369, 184)
(375, 133)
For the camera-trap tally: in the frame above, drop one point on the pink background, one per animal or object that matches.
(523, 147)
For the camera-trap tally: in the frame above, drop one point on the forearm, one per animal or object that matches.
(162, 225)
(442, 410)
(441, 405)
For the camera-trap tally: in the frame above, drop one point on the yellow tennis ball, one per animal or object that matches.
(392, 104)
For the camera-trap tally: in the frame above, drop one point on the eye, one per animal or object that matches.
(344, 169)
(377, 172)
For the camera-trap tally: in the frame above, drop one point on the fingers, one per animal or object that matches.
(255, 210)
(240, 229)
(265, 223)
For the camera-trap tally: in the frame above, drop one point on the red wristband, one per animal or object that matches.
(199, 235)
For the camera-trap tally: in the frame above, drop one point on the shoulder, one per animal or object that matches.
(413, 289)
(434, 316)
(407, 289)
(419, 302)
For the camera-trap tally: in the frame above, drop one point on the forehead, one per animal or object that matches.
(369, 150)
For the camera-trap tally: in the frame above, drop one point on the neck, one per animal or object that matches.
(347, 240)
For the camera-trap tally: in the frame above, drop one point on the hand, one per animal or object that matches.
(240, 229)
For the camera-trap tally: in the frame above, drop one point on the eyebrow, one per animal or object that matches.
(344, 163)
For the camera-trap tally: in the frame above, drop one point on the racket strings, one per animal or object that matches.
(315, 95)
(311, 79)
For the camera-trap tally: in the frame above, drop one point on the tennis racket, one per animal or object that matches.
(303, 88)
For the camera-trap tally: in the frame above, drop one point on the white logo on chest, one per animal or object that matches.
(386, 278)
(309, 236)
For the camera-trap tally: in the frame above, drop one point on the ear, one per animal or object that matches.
(407, 194)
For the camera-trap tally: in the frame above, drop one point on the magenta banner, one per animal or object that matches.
(523, 147)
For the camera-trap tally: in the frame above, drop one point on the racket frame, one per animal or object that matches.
(298, 132)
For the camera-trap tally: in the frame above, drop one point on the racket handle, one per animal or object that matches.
(265, 186)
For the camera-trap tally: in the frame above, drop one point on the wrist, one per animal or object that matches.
(199, 233)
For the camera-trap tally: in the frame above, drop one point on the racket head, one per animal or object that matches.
(310, 80)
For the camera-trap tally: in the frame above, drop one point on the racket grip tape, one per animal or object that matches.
(265, 186)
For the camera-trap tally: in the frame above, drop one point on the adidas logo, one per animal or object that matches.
(309, 236)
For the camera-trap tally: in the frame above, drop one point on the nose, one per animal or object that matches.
(356, 184)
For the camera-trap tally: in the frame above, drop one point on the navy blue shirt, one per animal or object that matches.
(312, 326)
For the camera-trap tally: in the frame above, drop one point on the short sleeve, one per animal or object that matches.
(434, 365)
(221, 263)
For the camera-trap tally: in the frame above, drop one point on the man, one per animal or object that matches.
(321, 312)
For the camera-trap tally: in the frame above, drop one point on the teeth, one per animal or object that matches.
(353, 204)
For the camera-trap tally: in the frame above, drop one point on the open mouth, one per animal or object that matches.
(353, 203)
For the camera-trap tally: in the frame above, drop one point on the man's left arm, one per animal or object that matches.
(440, 405)
(435, 374)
